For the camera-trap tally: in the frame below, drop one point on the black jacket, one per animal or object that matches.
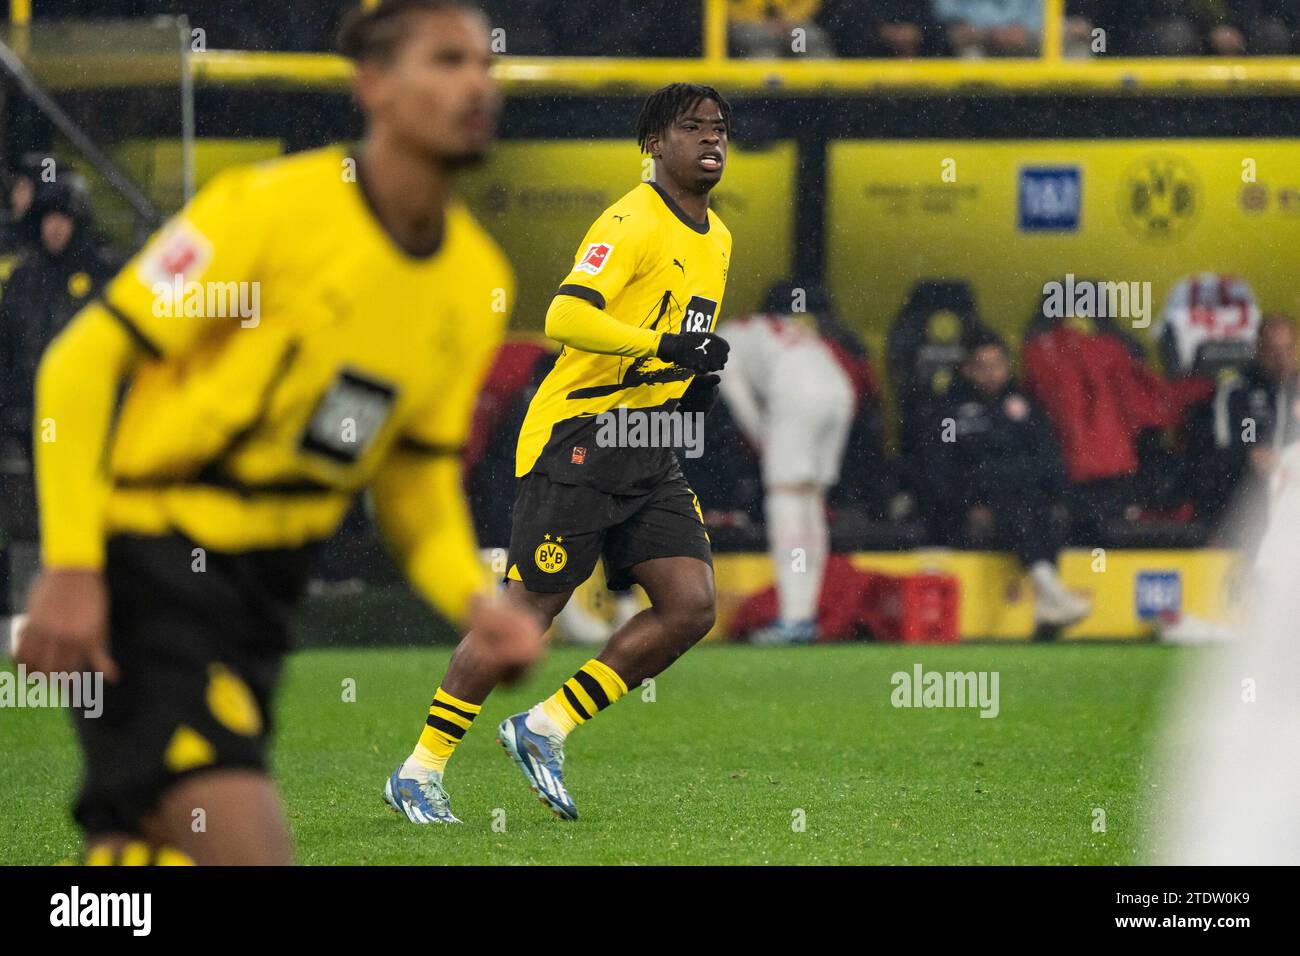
(42, 294)
(1000, 446)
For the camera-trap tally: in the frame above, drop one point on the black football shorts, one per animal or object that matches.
(558, 532)
(198, 639)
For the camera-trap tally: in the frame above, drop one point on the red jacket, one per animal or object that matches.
(1099, 397)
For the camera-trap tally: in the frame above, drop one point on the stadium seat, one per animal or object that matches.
(923, 350)
(924, 346)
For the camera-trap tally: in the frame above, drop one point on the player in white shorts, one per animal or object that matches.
(794, 402)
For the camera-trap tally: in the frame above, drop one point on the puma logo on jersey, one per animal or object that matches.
(622, 217)
(678, 264)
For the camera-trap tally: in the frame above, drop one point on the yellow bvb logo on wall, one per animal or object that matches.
(551, 556)
(1159, 197)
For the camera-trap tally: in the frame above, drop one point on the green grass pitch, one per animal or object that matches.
(738, 745)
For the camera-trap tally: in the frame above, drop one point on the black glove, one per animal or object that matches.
(701, 351)
(700, 394)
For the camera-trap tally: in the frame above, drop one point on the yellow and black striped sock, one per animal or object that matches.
(584, 695)
(449, 718)
(135, 853)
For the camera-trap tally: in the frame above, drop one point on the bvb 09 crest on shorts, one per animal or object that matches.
(550, 556)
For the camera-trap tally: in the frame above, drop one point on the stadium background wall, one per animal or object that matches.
(996, 603)
(817, 183)
(830, 187)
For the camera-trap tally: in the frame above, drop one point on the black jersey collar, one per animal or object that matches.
(680, 213)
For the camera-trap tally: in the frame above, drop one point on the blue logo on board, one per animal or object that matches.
(1159, 592)
(1049, 198)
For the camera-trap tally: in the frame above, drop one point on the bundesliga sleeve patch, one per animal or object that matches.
(179, 250)
(594, 259)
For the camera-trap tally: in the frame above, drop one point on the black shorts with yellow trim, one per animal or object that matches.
(198, 637)
(558, 531)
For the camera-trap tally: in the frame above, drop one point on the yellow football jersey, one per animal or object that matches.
(292, 345)
(647, 264)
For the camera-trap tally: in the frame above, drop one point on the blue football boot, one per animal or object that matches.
(418, 802)
(541, 759)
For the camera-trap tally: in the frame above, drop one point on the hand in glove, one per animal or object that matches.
(701, 351)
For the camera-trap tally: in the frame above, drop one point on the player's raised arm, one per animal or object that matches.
(607, 259)
(603, 266)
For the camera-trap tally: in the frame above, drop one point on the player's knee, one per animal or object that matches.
(706, 616)
(239, 811)
(692, 614)
(545, 605)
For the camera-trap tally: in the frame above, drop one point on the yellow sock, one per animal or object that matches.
(584, 695)
(136, 853)
(449, 718)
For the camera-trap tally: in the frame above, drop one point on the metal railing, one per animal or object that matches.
(1051, 72)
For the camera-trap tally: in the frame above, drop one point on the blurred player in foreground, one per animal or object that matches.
(1232, 778)
(795, 403)
(242, 439)
(635, 316)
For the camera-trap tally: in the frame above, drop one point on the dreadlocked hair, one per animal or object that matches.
(373, 34)
(664, 105)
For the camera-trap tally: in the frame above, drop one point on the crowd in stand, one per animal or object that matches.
(976, 28)
(1186, 27)
(765, 28)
